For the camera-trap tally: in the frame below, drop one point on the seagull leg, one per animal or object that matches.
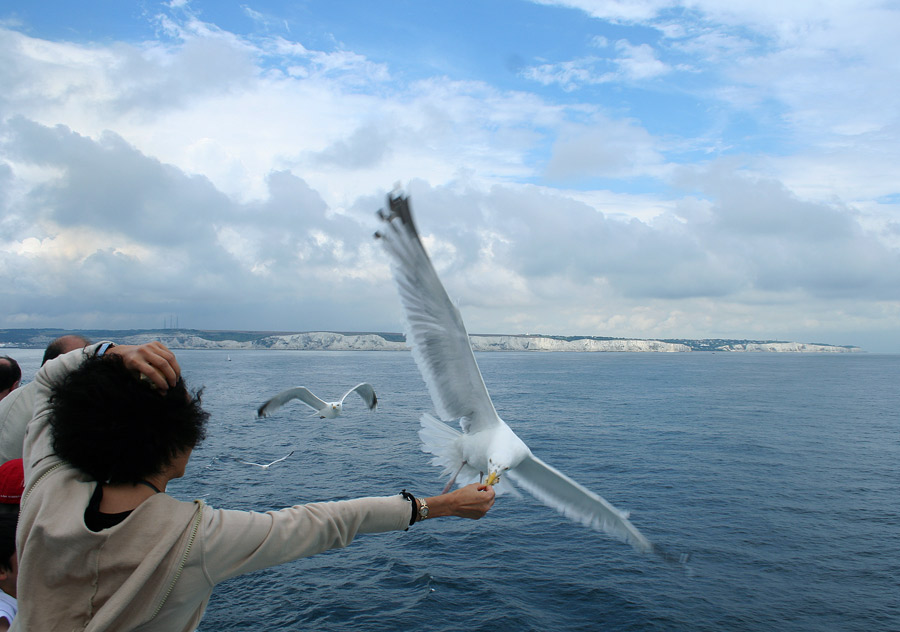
(452, 481)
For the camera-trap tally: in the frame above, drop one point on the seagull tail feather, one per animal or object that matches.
(440, 440)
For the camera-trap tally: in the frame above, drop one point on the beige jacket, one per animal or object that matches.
(156, 569)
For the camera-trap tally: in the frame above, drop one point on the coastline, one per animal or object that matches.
(372, 341)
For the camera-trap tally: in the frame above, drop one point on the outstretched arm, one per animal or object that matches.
(237, 542)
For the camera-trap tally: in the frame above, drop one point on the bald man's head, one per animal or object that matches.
(64, 344)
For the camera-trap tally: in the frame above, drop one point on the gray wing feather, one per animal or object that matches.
(435, 331)
(576, 502)
(367, 392)
(282, 458)
(298, 392)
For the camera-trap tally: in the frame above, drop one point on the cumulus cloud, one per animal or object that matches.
(149, 239)
(365, 147)
(754, 237)
(110, 222)
(604, 148)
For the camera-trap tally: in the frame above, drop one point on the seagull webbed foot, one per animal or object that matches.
(452, 480)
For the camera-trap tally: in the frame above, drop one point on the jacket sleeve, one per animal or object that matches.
(16, 410)
(37, 449)
(238, 542)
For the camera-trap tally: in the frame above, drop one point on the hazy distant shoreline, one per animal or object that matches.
(370, 341)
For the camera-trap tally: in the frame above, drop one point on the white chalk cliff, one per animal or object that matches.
(331, 341)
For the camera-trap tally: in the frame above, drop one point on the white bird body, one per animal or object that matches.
(494, 449)
(323, 409)
(440, 346)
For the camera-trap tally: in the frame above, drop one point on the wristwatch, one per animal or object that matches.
(423, 509)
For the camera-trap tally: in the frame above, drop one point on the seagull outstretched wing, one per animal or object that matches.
(576, 502)
(281, 459)
(434, 327)
(298, 392)
(367, 392)
(267, 465)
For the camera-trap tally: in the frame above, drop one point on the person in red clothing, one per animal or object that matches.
(12, 484)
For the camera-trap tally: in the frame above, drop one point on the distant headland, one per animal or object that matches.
(377, 341)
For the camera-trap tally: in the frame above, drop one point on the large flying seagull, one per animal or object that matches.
(440, 346)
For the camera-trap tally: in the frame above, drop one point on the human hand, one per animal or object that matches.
(153, 360)
(471, 501)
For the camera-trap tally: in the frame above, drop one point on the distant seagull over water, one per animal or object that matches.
(267, 465)
(486, 446)
(324, 410)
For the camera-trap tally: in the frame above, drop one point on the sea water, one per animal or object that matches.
(780, 474)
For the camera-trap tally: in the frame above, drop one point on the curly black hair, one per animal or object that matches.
(117, 428)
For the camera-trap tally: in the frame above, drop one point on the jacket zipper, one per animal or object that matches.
(38, 481)
(187, 551)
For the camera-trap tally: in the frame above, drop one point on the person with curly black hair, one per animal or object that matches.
(159, 430)
(89, 433)
(103, 547)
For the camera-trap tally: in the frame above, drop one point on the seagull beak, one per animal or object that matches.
(492, 479)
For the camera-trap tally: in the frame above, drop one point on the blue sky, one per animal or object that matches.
(648, 168)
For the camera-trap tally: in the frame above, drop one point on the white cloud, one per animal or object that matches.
(616, 10)
(639, 62)
(236, 128)
(604, 148)
(234, 180)
(631, 64)
(830, 65)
